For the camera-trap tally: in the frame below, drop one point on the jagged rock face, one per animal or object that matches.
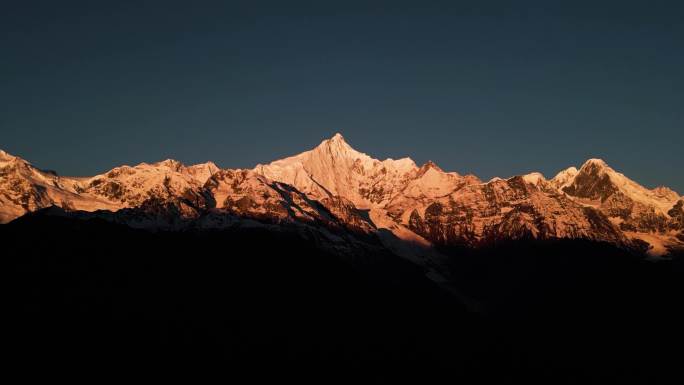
(132, 186)
(643, 218)
(335, 169)
(510, 209)
(591, 183)
(17, 194)
(428, 184)
(345, 211)
(634, 207)
(442, 207)
(341, 190)
(245, 193)
(618, 205)
(25, 188)
(676, 214)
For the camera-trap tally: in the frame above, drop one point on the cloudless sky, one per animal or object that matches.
(491, 88)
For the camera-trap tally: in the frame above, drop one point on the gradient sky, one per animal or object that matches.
(491, 88)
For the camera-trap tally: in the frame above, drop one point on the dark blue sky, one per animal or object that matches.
(492, 88)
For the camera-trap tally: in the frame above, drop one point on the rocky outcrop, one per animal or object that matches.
(247, 194)
(509, 209)
(676, 214)
(634, 207)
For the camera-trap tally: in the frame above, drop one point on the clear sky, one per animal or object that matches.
(491, 88)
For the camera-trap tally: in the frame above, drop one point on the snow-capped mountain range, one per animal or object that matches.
(336, 190)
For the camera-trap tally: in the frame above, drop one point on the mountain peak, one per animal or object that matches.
(338, 147)
(596, 162)
(598, 181)
(565, 177)
(337, 140)
(171, 163)
(595, 180)
(429, 165)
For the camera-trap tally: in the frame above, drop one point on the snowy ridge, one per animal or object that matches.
(565, 177)
(661, 198)
(335, 168)
(534, 178)
(339, 189)
(24, 188)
